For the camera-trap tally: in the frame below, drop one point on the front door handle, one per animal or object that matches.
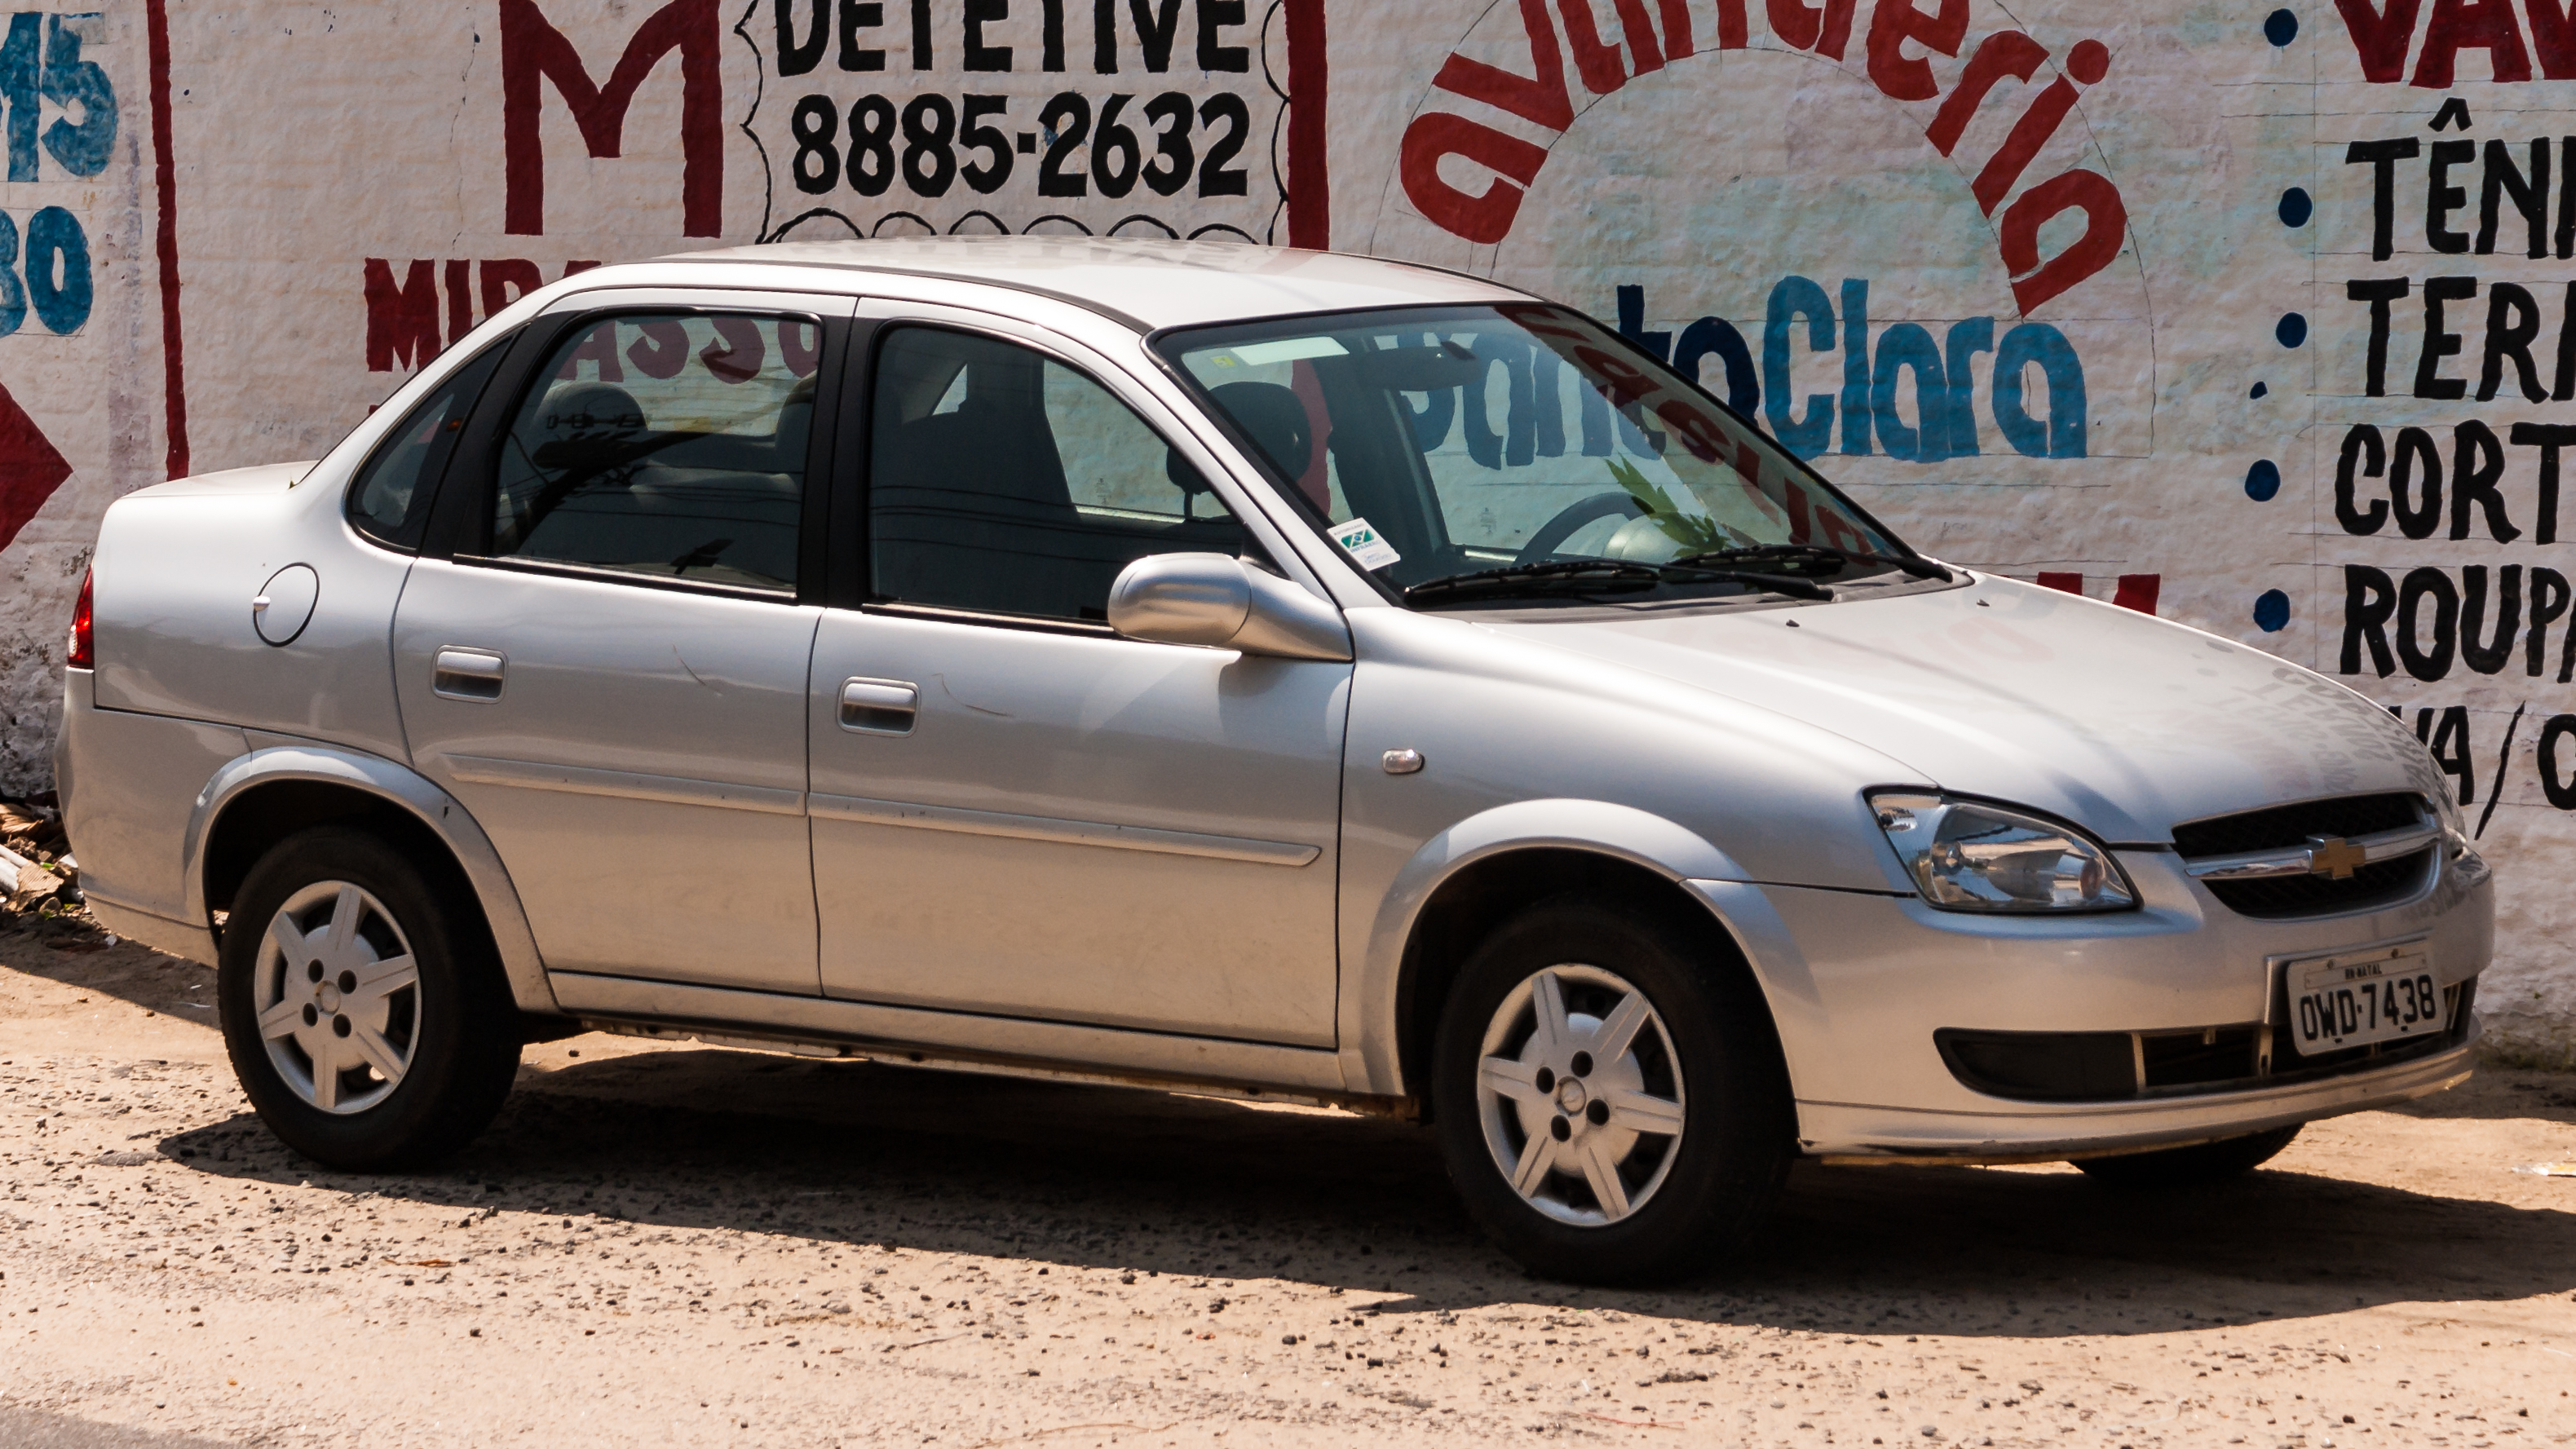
(473, 675)
(879, 706)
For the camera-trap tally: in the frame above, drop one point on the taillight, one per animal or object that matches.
(80, 652)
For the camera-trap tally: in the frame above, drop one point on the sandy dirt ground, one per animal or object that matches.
(687, 1246)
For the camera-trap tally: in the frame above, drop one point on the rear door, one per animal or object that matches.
(603, 653)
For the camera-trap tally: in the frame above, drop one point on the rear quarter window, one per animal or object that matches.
(389, 498)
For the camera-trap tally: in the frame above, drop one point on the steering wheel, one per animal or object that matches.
(1542, 544)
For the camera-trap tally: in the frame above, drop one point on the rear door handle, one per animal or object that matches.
(473, 675)
(879, 706)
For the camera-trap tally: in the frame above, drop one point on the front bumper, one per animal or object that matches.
(1846, 1132)
(1859, 983)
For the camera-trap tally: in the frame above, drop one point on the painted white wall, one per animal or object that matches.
(307, 140)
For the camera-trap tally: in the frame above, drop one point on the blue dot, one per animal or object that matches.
(2260, 389)
(2272, 611)
(2261, 482)
(2292, 330)
(2296, 207)
(2280, 27)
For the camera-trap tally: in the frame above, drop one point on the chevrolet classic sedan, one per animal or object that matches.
(1237, 671)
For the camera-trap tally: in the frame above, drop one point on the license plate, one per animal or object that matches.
(2348, 1001)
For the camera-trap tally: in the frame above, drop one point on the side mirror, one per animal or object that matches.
(1223, 603)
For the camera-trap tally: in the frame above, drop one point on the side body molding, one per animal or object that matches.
(1369, 1026)
(281, 757)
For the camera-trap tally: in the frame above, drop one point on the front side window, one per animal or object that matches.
(1441, 443)
(1003, 481)
(666, 445)
(389, 499)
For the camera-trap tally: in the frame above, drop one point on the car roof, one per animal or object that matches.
(1147, 284)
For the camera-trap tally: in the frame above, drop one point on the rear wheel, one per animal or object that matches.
(362, 1007)
(1610, 1097)
(2193, 1166)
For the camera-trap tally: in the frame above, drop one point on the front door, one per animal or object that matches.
(610, 670)
(1015, 811)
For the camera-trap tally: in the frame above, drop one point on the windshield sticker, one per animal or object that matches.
(1292, 349)
(1362, 543)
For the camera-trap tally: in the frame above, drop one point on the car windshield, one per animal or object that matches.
(1466, 453)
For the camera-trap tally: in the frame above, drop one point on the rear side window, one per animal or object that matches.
(667, 445)
(389, 499)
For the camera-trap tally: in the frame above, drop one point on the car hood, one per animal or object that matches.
(2124, 724)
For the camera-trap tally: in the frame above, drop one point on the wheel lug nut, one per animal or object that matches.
(1560, 1129)
(1599, 1112)
(313, 972)
(310, 1015)
(1583, 1064)
(340, 1026)
(348, 982)
(1546, 1080)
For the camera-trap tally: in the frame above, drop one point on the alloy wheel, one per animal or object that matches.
(338, 997)
(1580, 1093)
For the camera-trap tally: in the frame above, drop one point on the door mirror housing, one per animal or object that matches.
(1220, 602)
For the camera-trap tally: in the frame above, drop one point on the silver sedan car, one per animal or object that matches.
(1234, 671)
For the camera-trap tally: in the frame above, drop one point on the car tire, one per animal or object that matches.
(1702, 1057)
(362, 1004)
(2194, 1166)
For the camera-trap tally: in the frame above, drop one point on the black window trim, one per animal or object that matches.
(460, 527)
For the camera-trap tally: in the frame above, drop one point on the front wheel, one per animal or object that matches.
(1610, 1095)
(2198, 1165)
(364, 1013)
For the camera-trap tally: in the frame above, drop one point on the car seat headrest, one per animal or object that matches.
(1275, 417)
(590, 410)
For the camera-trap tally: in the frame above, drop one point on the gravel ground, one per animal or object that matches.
(672, 1245)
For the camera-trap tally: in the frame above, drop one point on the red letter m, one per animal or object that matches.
(402, 317)
(531, 47)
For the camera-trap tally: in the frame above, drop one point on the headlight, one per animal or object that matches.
(2455, 826)
(1966, 855)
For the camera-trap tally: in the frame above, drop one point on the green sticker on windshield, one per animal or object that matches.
(1363, 545)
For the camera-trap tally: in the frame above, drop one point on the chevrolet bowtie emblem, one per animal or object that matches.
(2332, 855)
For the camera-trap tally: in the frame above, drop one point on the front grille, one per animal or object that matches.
(2212, 1055)
(2282, 827)
(2112, 1066)
(2101, 1066)
(2282, 897)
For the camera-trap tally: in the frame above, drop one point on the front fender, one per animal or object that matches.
(1369, 1008)
(280, 757)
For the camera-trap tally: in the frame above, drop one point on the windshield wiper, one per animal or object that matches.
(1921, 568)
(1546, 575)
(1690, 570)
(1550, 575)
